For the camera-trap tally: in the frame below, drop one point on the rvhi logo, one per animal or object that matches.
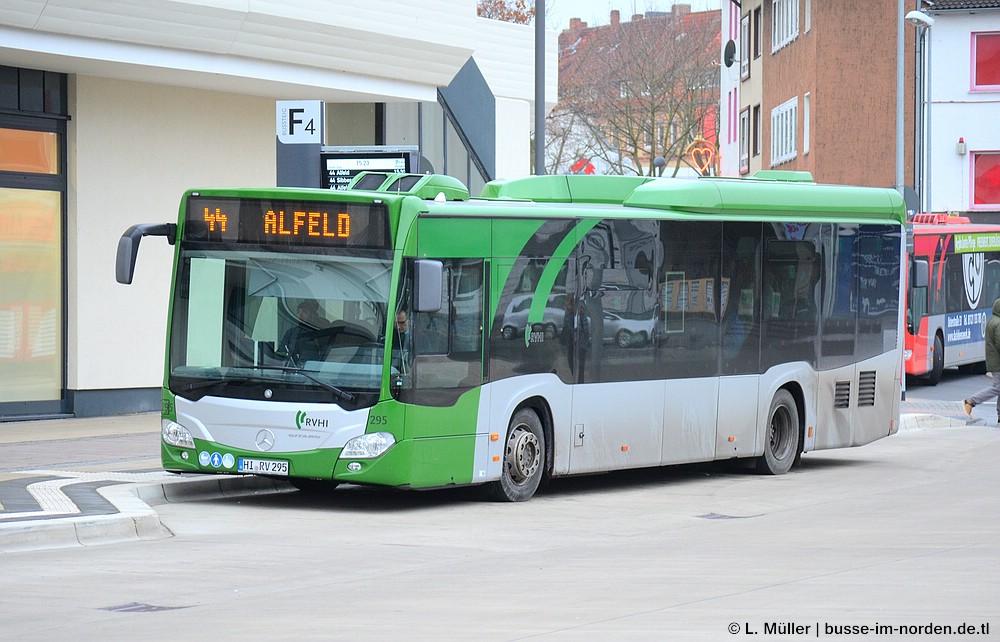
(302, 419)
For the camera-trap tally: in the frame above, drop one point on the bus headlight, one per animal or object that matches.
(176, 435)
(368, 446)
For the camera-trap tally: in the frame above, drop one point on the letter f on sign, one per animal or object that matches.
(293, 119)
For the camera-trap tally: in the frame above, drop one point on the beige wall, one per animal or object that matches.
(350, 124)
(513, 152)
(133, 150)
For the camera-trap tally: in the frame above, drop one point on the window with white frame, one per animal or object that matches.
(986, 61)
(784, 120)
(755, 130)
(745, 47)
(805, 124)
(808, 16)
(986, 180)
(744, 141)
(784, 22)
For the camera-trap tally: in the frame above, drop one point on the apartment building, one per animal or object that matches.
(811, 86)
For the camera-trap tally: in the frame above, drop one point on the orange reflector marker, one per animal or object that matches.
(494, 436)
(624, 449)
(496, 457)
(731, 439)
(810, 432)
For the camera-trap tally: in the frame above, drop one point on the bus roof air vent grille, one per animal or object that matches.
(938, 219)
(424, 186)
(565, 188)
(786, 176)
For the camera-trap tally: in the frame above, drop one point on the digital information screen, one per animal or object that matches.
(289, 223)
(340, 167)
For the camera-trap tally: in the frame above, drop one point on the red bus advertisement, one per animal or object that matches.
(954, 278)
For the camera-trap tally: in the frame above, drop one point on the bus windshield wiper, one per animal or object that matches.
(342, 395)
(216, 381)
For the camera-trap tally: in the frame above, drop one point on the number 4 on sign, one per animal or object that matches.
(295, 118)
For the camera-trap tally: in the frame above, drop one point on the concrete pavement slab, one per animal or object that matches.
(49, 456)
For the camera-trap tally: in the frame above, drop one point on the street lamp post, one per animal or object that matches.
(922, 112)
(899, 97)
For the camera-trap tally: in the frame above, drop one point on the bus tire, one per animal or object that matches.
(523, 461)
(781, 442)
(934, 376)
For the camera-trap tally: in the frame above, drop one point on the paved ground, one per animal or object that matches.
(69, 482)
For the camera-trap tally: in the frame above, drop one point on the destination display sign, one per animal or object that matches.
(287, 222)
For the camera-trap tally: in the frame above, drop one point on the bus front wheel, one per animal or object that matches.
(781, 445)
(937, 364)
(523, 460)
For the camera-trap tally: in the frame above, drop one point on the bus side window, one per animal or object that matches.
(447, 344)
(991, 284)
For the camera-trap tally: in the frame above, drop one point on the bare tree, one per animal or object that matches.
(644, 89)
(518, 11)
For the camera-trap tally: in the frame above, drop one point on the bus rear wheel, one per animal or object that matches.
(523, 461)
(781, 444)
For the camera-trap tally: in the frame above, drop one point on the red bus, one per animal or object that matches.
(954, 278)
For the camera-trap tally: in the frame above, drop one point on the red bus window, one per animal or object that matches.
(986, 181)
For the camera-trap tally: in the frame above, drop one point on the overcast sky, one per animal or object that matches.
(598, 12)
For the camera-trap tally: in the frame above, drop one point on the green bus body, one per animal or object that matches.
(557, 325)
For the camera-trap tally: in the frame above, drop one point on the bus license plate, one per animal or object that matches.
(263, 466)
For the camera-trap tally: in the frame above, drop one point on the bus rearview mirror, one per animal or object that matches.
(921, 274)
(427, 285)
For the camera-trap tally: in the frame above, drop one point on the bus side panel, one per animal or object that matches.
(736, 435)
(858, 404)
(690, 415)
(965, 336)
(621, 425)
(876, 403)
(442, 441)
(834, 399)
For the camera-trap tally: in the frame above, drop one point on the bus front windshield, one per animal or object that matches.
(279, 326)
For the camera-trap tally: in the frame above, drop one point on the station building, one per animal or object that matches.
(110, 110)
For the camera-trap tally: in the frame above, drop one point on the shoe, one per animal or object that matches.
(968, 407)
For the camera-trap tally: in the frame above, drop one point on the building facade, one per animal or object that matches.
(109, 111)
(811, 86)
(961, 151)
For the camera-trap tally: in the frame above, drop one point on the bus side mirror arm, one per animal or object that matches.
(921, 274)
(427, 285)
(128, 247)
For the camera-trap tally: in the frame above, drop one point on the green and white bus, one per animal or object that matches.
(404, 334)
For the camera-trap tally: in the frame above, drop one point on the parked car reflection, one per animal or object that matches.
(515, 318)
(625, 330)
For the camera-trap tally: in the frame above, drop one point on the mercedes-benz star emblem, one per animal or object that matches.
(264, 440)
